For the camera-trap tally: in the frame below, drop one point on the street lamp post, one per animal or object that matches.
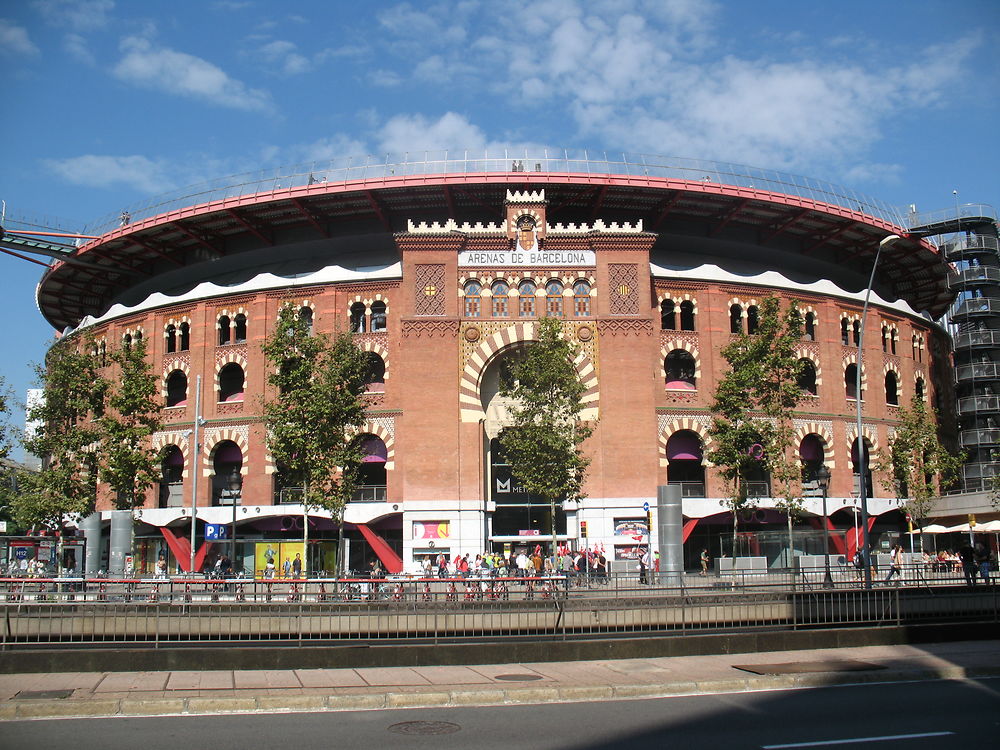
(822, 477)
(235, 485)
(862, 450)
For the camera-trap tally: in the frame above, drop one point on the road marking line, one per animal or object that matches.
(859, 740)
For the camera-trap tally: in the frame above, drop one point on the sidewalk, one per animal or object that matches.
(88, 694)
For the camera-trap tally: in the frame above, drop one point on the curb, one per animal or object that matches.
(151, 707)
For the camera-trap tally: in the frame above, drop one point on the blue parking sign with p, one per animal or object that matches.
(215, 531)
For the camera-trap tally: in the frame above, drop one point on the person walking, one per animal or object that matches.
(968, 558)
(982, 558)
(704, 560)
(643, 565)
(895, 563)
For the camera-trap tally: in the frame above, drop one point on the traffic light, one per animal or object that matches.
(583, 528)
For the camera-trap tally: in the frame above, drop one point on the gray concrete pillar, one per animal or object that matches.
(670, 534)
(91, 528)
(121, 541)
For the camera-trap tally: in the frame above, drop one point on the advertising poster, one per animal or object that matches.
(631, 527)
(431, 530)
(264, 551)
(628, 551)
(289, 551)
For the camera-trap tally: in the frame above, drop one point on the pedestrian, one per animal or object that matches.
(286, 569)
(704, 560)
(297, 566)
(125, 218)
(643, 564)
(895, 563)
(982, 557)
(269, 569)
(968, 558)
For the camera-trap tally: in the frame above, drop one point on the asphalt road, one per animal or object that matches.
(911, 716)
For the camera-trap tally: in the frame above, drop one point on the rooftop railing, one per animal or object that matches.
(372, 170)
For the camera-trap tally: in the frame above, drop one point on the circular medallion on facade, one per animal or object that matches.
(584, 333)
(472, 333)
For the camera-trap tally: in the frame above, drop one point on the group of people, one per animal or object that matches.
(289, 569)
(975, 562)
(519, 564)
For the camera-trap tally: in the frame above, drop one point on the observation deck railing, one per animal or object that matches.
(371, 171)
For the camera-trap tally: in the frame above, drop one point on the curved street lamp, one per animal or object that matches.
(862, 450)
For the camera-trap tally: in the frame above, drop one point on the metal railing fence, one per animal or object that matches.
(155, 612)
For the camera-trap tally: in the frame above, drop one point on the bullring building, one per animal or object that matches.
(441, 267)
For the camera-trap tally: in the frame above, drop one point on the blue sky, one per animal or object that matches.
(108, 103)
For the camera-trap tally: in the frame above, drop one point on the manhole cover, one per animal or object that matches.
(518, 677)
(424, 727)
(44, 694)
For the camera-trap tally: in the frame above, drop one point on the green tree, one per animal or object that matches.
(916, 466)
(68, 435)
(129, 463)
(9, 473)
(752, 430)
(542, 442)
(313, 418)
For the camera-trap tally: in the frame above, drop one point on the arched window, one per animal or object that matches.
(472, 292)
(736, 319)
(227, 483)
(185, 342)
(885, 339)
(687, 315)
(378, 316)
(240, 329)
(306, 316)
(554, 299)
(138, 336)
(177, 384)
(845, 336)
(806, 377)
(667, 316)
(376, 372)
(371, 471)
(224, 331)
(127, 341)
(581, 299)
(918, 388)
(171, 338)
(812, 455)
(684, 466)
(752, 319)
(856, 465)
(810, 326)
(500, 291)
(891, 389)
(893, 340)
(526, 305)
(172, 478)
(851, 380)
(231, 380)
(358, 311)
(679, 367)
(857, 332)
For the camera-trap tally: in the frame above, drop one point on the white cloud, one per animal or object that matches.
(92, 170)
(284, 54)
(164, 69)
(14, 41)
(417, 133)
(385, 78)
(78, 15)
(78, 48)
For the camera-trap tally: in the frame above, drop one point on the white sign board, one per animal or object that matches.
(527, 258)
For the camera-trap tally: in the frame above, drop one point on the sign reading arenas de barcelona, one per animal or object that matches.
(441, 278)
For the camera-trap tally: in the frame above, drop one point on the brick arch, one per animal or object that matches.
(684, 423)
(133, 331)
(176, 364)
(662, 296)
(472, 373)
(803, 353)
(870, 432)
(851, 358)
(162, 440)
(743, 303)
(224, 434)
(379, 349)
(824, 434)
(890, 367)
(379, 431)
(176, 323)
(922, 377)
(687, 346)
(231, 314)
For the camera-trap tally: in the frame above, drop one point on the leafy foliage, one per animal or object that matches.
(754, 404)
(916, 465)
(543, 441)
(67, 437)
(313, 419)
(129, 464)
